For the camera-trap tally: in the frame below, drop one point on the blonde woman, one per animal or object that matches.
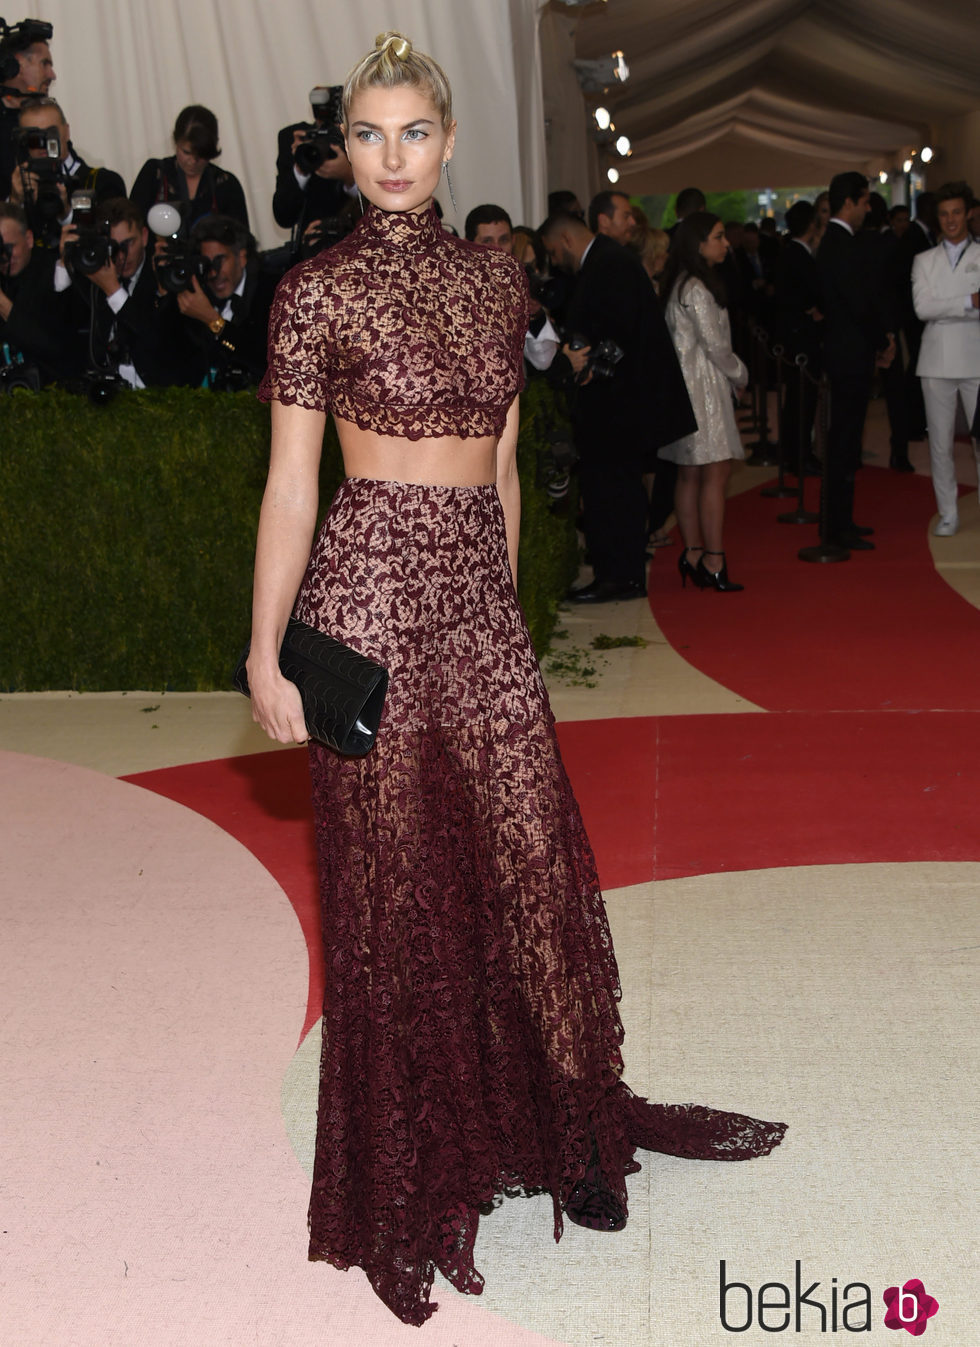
(471, 1037)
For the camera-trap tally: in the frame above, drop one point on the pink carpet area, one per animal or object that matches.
(154, 969)
(882, 631)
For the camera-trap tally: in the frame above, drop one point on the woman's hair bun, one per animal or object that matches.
(398, 45)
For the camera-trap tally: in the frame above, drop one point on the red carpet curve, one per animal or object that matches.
(882, 631)
(678, 795)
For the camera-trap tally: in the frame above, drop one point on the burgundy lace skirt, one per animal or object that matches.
(471, 1035)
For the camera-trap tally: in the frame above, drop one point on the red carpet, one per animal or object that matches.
(681, 795)
(880, 631)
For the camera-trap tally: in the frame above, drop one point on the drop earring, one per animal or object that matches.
(449, 182)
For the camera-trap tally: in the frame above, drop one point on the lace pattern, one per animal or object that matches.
(471, 1043)
(402, 329)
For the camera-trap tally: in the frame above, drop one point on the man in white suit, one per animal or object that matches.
(946, 293)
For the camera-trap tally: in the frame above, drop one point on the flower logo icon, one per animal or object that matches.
(909, 1307)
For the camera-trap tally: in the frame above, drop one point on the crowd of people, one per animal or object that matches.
(645, 329)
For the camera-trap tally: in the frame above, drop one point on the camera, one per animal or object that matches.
(44, 205)
(323, 143)
(603, 358)
(179, 263)
(24, 34)
(15, 374)
(548, 291)
(93, 248)
(324, 233)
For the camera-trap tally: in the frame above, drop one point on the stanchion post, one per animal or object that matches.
(762, 448)
(801, 515)
(780, 491)
(824, 551)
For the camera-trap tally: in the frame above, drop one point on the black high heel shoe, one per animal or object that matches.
(689, 572)
(716, 579)
(592, 1203)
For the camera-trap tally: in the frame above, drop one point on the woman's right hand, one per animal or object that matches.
(278, 707)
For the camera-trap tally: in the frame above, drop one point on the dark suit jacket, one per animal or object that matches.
(146, 332)
(39, 326)
(915, 240)
(797, 283)
(219, 192)
(8, 158)
(645, 404)
(102, 182)
(854, 327)
(292, 204)
(242, 343)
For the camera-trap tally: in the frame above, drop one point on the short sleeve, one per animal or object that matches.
(298, 374)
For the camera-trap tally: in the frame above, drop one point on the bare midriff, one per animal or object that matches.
(445, 461)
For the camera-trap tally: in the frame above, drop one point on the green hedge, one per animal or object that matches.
(127, 534)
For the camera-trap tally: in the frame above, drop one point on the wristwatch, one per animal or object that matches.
(217, 326)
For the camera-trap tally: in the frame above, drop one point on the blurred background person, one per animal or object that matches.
(227, 315)
(35, 326)
(26, 68)
(131, 326)
(49, 172)
(189, 178)
(698, 323)
(313, 173)
(798, 328)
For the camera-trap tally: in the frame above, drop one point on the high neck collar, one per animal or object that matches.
(414, 232)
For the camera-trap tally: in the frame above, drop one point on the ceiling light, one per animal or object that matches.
(623, 146)
(925, 154)
(612, 174)
(602, 118)
(882, 177)
(595, 77)
(907, 166)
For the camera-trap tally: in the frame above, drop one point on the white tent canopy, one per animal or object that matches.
(719, 91)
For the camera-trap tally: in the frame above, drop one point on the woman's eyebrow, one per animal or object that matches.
(419, 121)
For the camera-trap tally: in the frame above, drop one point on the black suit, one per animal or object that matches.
(619, 422)
(39, 327)
(916, 239)
(103, 183)
(853, 331)
(884, 266)
(238, 354)
(797, 285)
(293, 205)
(146, 332)
(9, 121)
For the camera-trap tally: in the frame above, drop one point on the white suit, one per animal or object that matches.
(949, 358)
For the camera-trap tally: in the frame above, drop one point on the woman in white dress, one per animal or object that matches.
(694, 296)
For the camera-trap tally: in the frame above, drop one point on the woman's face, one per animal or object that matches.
(715, 246)
(397, 146)
(190, 164)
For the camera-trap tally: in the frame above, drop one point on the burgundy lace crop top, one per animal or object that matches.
(402, 329)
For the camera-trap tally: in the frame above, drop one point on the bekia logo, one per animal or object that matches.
(777, 1307)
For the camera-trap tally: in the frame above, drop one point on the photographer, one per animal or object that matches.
(189, 178)
(313, 174)
(134, 327)
(34, 321)
(227, 317)
(25, 68)
(625, 405)
(49, 172)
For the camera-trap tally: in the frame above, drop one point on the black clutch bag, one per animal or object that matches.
(343, 691)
